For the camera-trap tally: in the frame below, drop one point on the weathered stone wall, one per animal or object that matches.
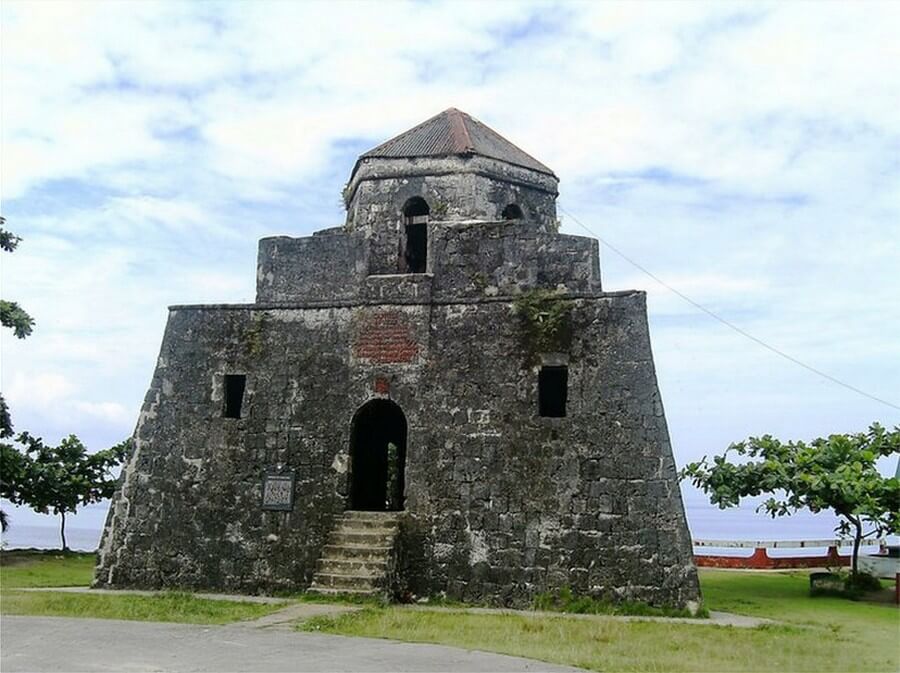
(466, 259)
(455, 188)
(485, 259)
(188, 511)
(508, 503)
(326, 266)
(501, 502)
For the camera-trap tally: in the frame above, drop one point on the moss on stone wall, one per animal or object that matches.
(254, 335)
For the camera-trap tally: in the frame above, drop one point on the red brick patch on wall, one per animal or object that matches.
(386, 337)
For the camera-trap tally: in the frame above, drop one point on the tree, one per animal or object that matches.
(14, 317)
(838, 473)
(48, 478)
(58, 479)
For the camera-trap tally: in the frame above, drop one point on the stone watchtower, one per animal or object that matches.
(435, 397)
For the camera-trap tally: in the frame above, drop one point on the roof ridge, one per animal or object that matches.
(503, 138)
(460, 130)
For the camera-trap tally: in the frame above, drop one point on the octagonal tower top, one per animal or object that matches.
(451, 167)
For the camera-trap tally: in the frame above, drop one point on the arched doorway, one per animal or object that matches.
(377, 457)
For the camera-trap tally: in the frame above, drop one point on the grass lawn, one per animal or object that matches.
(818, 634)
(49, 569)
(45, 569)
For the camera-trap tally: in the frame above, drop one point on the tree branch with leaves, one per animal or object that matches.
(11, 314)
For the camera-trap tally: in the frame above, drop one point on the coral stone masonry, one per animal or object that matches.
(445, 358)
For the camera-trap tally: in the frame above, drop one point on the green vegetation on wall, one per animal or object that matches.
(545, 322)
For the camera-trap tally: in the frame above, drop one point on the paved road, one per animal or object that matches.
(62, 644)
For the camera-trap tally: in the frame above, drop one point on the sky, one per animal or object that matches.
(748, 154)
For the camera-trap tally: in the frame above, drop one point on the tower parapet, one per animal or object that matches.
(451, 199)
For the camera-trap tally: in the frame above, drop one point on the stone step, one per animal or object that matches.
(331, 591)
(363, 515)
(359, 538)
(347, 582)
(369, 524)
(349, 551)
(352, 566)
(356, 558)
(362, 530)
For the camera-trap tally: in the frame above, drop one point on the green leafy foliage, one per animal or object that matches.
(14, 316)
(13, 471)
(838, 472)
(858, 584)
(545, 320)
(842, 584)
(11, 314)
(8, 240)
(6, 426)
(58, 479)
(13, 474)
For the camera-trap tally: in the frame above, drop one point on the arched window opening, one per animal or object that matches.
(377, 457)
(415, 249)
(512, 212)
(416, 210)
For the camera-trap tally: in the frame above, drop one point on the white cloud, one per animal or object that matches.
(107, 412)
(745, 152)
(39, 389)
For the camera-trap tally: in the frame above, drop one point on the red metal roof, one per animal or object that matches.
(453, 132)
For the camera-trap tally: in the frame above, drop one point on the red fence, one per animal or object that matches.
(760, 559)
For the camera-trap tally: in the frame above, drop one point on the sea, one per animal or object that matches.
(707, 522)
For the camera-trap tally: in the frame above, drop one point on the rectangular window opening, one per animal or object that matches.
(234, 395)
(416, 247)
(553, 391)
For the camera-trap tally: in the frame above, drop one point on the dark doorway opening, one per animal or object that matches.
(553, 391)
(415, 220)
(234, 395)
(377, 457)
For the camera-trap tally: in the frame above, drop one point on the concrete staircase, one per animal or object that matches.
(357, 555)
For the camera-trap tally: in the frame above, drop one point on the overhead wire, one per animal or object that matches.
(725, 321)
